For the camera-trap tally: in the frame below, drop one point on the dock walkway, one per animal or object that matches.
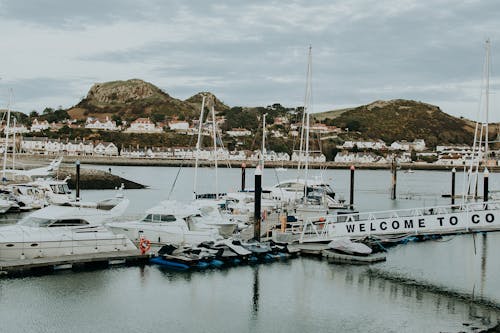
(27, 266)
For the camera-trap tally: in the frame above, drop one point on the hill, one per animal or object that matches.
(404, 120)
(131, 99)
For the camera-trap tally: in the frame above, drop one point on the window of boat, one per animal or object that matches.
(62, 189)
(68, 223)
(148, 218)
(35, 222)
(53, 188)
(167, 218)
(65, 188)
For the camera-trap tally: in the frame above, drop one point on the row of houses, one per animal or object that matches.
(416, 145)
(45, 146)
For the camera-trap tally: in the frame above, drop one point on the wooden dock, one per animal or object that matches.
(82, 261)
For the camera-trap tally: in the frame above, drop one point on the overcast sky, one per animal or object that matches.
(253, 53)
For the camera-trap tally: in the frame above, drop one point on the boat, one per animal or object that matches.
(56, 231)
(169, 222)
(346, 246)
(27, 196)
(56, 192)
(409, 171)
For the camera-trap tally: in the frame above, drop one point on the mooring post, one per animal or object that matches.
(257, 212)
(78, 180)
(243, 176)
(453, 174)
(394, 178)
(486, 177)
(351, 193)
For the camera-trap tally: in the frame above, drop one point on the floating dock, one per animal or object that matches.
(47, 265)
(351, 259)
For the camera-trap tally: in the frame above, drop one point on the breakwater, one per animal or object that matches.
(91, 179)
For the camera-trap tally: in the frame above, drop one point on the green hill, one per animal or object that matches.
(404, 120)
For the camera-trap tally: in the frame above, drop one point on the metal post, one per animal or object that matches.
(453, 174)
(257, 206)
(394, 178)
(77, 180)
(486, 176)
(243, 176)
(351, 196)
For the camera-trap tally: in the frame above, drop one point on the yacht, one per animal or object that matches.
(64, 230)
(169, 222)
(56, 191)
(292, 190)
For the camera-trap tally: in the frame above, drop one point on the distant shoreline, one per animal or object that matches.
(125, 161)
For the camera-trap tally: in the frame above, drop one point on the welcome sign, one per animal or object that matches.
(461, 221)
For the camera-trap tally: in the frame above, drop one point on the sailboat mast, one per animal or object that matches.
(7, 129)
(198, 145)
(14, 145)
(214, 130)
(306, 111)
(488, 68)
(262, 159)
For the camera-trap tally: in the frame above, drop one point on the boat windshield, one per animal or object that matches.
(159, 218)
(39, 222)
(60, 189)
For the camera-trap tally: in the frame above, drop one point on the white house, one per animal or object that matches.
(178, 125)
(418, 145)
(37, 126)
(106, 125)
(314, 156)
(236, 132)
(106, 149)
(143, 125)
(400, 145)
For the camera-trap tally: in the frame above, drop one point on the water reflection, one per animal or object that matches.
(255, 294)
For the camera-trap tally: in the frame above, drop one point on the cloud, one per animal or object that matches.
(251, 53)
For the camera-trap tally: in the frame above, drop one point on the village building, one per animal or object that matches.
(143, 125)
(238, 132)
(106, 149)
(106, 125)
(38, 126)
(178, 125)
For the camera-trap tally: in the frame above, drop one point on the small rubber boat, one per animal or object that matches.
(346, 246)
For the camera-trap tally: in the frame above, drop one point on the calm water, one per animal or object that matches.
(423, 287)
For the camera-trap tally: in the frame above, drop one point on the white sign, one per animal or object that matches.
(422, 224)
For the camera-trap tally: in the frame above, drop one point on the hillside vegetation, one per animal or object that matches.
(404, 120)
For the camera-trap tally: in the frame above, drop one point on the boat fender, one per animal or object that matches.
(144, 245)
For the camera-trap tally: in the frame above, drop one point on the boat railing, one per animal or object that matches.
(319, 228)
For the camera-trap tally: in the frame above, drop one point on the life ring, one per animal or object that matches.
(144, 245)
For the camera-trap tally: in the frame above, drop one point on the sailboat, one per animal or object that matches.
(315, 197)
(480, 150)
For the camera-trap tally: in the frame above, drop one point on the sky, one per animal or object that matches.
(253, 53)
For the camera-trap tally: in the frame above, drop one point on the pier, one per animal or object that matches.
(33, 266)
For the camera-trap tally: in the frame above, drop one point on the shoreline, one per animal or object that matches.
(125, 161)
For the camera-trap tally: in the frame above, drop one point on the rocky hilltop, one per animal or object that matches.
(131, 99)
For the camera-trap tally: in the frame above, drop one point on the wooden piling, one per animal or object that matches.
(77, 180)
(351, 193)
(453, 174)
(394, 178)
(257, 203)
(243, 176)
(486, 176)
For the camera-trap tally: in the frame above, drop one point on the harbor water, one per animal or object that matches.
(446, 285)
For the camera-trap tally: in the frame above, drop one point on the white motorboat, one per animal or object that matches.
(27, 196)
(64, 230)
(56, 191)
(170, 222)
